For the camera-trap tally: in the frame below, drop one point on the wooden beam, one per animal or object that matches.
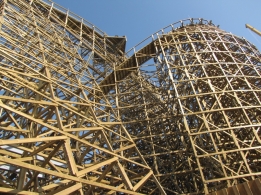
(27, 100)
(125, 177)
(83, 129)
(142, 181)
(70, 189)
(54, 185)
(31, 140)
(96, 166)
(15, 191)
(69, 154)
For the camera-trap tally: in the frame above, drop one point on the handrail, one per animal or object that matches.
(74, 16)
(165, 30)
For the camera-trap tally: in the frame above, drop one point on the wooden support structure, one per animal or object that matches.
(190, 98)
(177, 114)
(57, 135)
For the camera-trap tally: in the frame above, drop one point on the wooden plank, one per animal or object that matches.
(83, 129)
(113, 192)
(125, 177)
(142, 181)
(28, 100)
(71, 102)
(15, 191)
(70, 189)
(42, 147)
(111, 123)
(69, 154)
(125, 148)
(5, 152)
(30, 140)
(96, 166)
(11, 128)
(54, 185)
(100, 179)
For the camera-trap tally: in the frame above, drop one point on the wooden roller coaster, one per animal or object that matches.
(179, 113)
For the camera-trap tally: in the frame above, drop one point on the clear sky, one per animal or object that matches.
(138, 19)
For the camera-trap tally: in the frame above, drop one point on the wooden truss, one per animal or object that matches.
(191, 100)
(178, 114)
(58, 136)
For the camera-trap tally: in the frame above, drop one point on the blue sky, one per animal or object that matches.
(138, 19)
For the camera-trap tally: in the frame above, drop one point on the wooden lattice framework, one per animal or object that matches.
(191, 100)
(178, 114)
(57, 135)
